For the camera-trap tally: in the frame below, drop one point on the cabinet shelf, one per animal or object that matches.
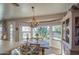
(77, 25)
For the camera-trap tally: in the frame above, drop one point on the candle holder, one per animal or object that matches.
(27, 38)
(37, 37)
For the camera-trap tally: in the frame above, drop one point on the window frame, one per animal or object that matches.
(27, 32)
(56, 38)
(1, 31)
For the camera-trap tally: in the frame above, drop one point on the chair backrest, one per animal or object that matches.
(35, 49)
(24, 49)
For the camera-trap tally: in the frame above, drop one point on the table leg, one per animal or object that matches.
(43, 51)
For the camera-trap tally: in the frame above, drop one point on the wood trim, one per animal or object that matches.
(39, 17)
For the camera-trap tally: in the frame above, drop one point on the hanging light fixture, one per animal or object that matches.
(34, 22)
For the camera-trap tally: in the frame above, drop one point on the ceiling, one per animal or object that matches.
(24, 10)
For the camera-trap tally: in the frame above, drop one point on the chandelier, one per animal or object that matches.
(34, 22)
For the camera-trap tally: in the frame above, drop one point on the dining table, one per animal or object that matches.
(43, 44)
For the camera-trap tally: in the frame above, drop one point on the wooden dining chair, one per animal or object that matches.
(24, 49)
(35, 49)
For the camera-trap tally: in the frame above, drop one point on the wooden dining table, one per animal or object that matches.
(43, 44)
(7, 46)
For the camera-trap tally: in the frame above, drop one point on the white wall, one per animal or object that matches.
(1, 10)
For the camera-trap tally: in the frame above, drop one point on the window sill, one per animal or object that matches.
(56, 40)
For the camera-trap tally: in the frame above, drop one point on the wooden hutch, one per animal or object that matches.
(70, 32)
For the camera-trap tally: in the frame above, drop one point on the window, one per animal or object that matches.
(42, 31)
(26, 28)
(11, 32)
(26, 32)
(0, 31)
(56, 31)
